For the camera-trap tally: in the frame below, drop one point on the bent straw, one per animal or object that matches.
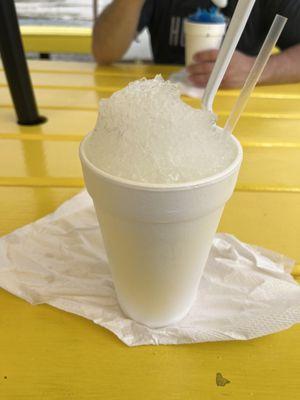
(232, 37)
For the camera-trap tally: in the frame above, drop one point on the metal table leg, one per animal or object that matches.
(15, 66)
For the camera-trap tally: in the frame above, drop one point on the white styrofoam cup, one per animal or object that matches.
(157, 237)
(201, 37)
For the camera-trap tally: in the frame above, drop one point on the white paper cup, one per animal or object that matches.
(157, 237)
(200, 37)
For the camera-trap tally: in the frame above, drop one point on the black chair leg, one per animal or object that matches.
(15, 66)
(44, 56)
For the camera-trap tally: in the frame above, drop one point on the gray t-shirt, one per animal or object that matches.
(164, 18)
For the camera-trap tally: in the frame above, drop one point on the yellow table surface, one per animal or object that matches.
(49, 354)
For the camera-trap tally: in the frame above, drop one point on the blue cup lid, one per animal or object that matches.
(211, 16)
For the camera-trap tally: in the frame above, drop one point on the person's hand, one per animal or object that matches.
(236, 73)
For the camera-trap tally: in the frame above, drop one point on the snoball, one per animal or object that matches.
(146, 133)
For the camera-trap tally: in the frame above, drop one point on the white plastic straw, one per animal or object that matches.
(232, 37)
(256, 71)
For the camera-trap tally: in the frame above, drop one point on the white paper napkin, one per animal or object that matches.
(246, 291)
(185, 86)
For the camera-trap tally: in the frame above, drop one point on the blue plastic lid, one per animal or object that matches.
(211, 16)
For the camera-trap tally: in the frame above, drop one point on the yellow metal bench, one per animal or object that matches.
(56, 39)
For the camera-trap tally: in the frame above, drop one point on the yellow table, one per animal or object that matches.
(48, 354)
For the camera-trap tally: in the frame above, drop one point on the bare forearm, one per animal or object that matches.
(115, 29)
(283, 67)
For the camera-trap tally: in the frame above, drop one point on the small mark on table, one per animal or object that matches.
(220, 380)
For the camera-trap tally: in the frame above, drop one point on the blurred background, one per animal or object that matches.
(68, 14)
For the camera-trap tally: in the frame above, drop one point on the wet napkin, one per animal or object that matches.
(246, 291)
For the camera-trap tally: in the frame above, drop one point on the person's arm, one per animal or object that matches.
(115, 29)
(281, 68)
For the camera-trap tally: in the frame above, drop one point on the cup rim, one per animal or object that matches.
(207, 181)
(206, 24)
